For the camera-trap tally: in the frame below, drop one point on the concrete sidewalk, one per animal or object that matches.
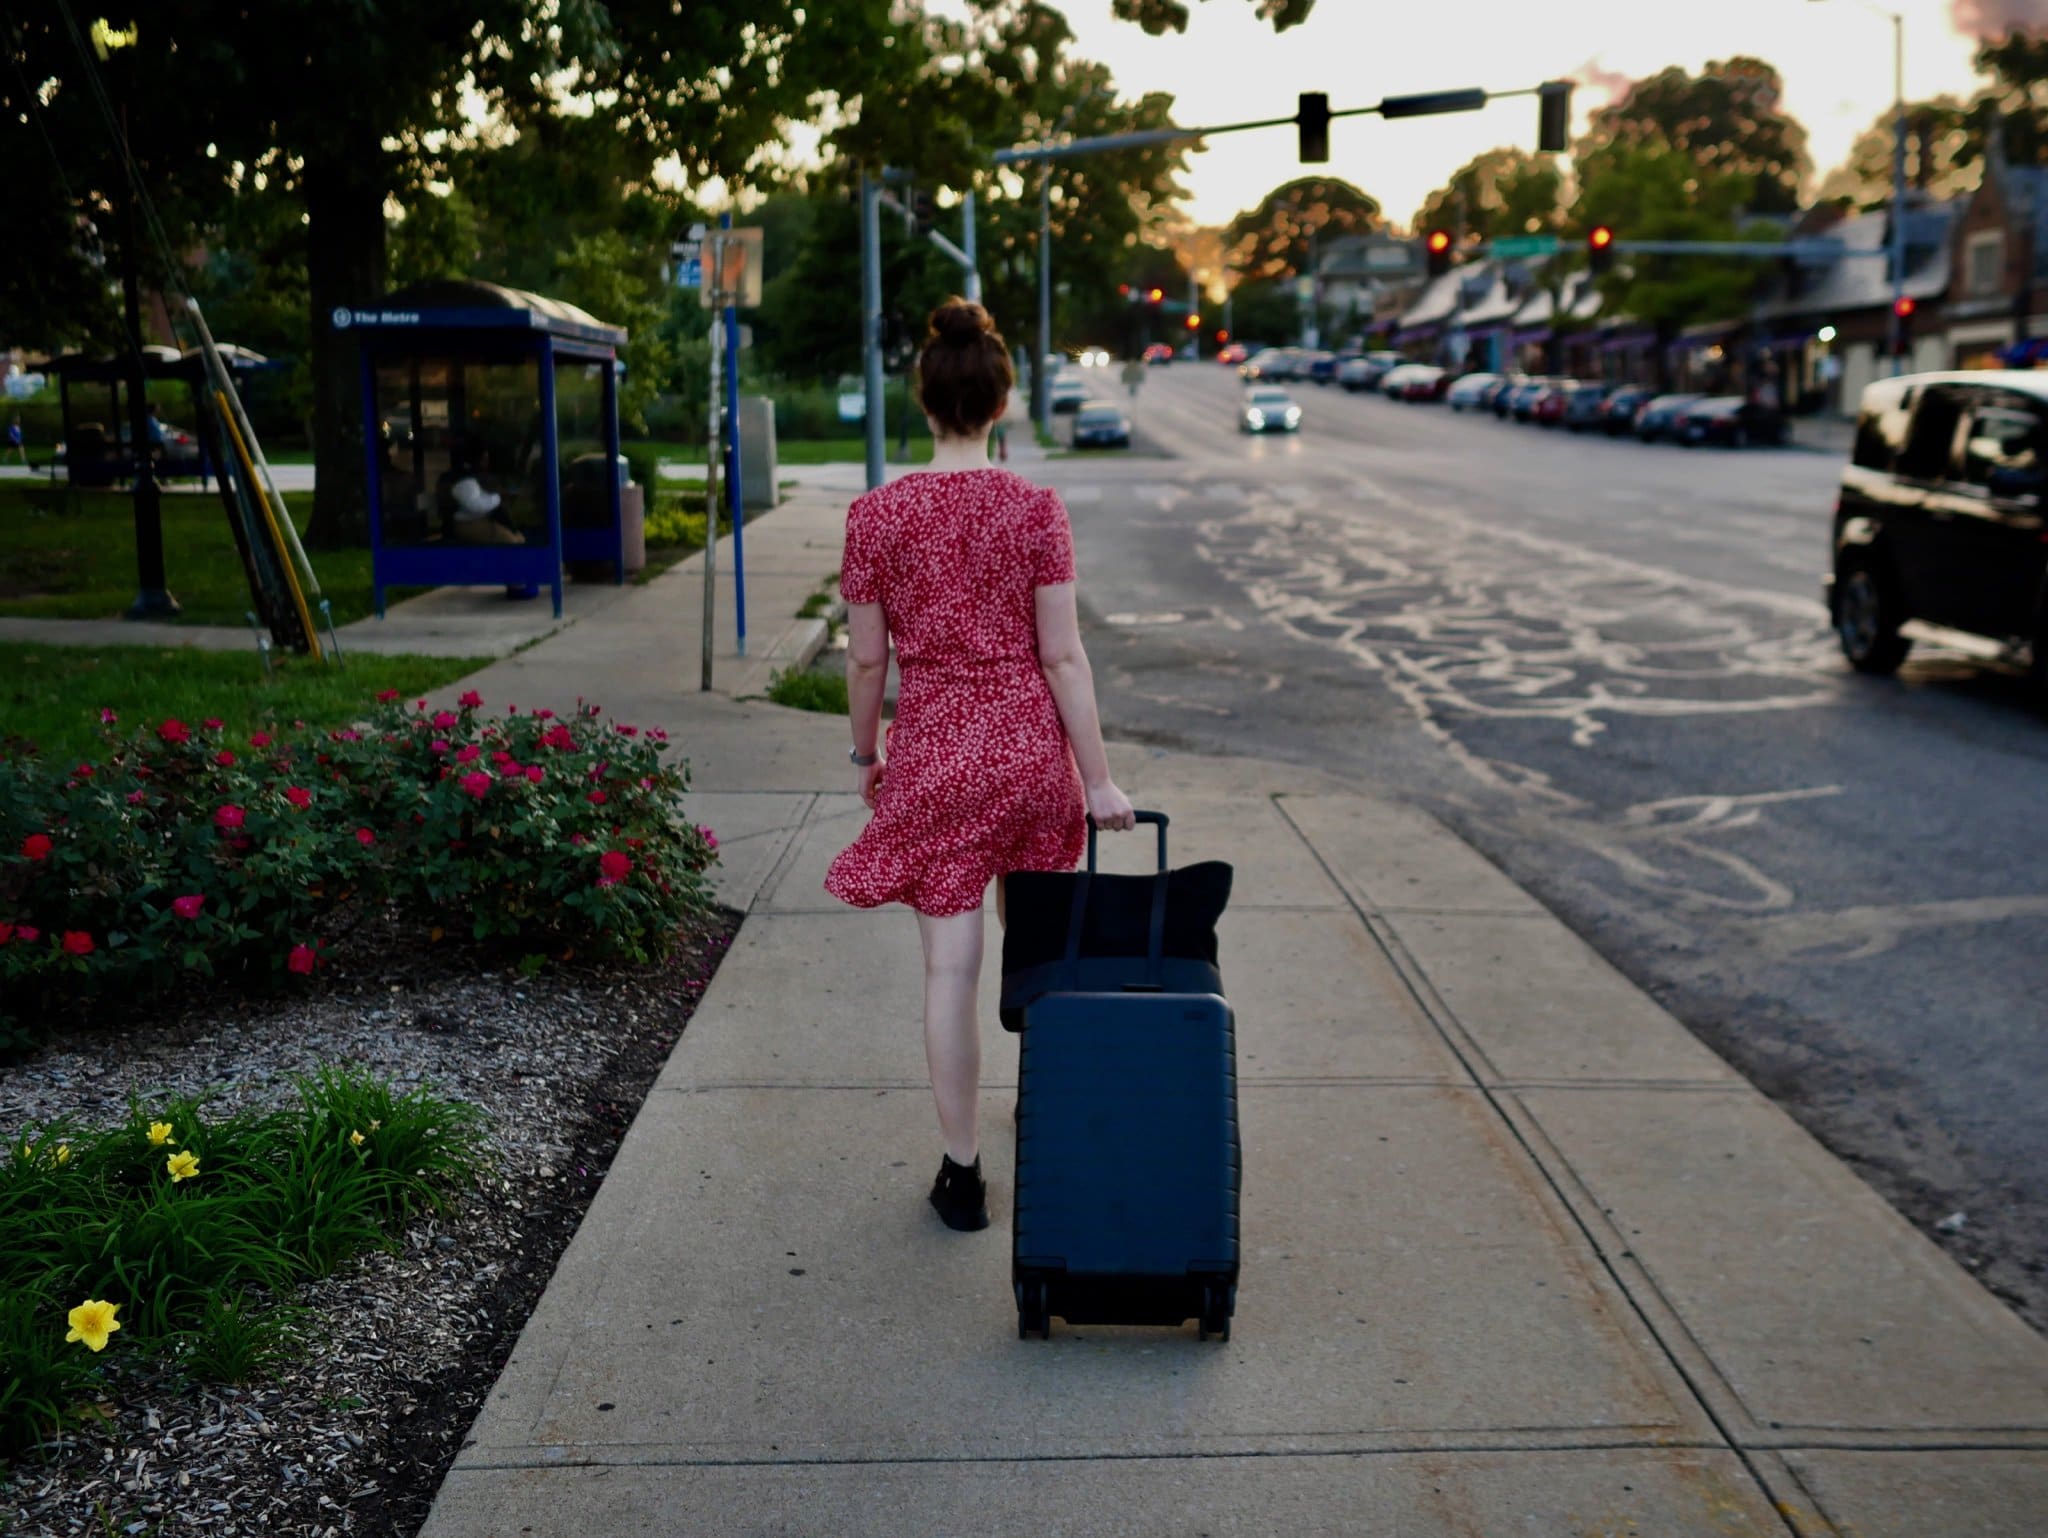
(1521, 1256)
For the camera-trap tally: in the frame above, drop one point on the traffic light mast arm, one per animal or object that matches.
(1423, 105)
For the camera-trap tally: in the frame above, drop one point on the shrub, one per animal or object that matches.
(198, 1267)
(675, 521)
(184, 851)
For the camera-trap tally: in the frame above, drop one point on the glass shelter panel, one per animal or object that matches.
(461, 449)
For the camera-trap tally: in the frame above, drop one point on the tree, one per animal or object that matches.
(1647, 190)
(1938, 145)
(1724, 120)
(1158, 16)
(1273, 239)
(1502, 192)
(2016, 103)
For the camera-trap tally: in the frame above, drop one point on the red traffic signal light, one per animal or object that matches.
(1438, 245)
(1156, 295)
(1903, 307)
(1600, 248)
(1124, 289)
(1222, 337)
(1194, 323)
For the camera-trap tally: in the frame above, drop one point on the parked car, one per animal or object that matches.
(1103, 425)
(1490, 397)
(1158, 352)
(1731, 420)
(1941, 517)
(1467, 393)
(1320, 367)
(1366, 373)
(1522, 400)
(1547, 405)
(1069, 390)
(1587, 402)
(1393, 384)
(1618, 415)
(1259, 365)
(1269, 409)
(1422, 382)
(1232, 353)
(1658, 417)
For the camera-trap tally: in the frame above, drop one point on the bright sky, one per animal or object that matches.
(1835, 57)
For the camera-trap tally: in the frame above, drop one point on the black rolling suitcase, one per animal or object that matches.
(1128, 1160)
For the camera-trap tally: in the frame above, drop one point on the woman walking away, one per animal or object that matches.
(995, 756)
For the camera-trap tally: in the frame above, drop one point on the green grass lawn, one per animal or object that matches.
(53, 695)
(80, 564)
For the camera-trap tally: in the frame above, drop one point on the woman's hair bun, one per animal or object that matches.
(960, 320)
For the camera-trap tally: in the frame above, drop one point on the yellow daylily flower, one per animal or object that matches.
(160, 1133)
(63, 1153)
(355, 1139)
(182, 1165)
(92, 1322)
(375, 1124)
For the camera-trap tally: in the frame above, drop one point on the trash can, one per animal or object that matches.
(586, 505)
(757, 451)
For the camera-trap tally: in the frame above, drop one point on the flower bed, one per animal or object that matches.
(183, 852)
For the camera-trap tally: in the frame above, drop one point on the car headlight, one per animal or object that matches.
(1255, 417)
(1293, 415)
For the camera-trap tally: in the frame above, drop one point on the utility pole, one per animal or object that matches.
(714, 267)
(871, 323)
(1898, 192)
(1041, 390)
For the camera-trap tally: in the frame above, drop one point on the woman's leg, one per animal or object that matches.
(952, 1035)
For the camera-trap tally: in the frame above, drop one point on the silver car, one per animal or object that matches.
(1268, 409)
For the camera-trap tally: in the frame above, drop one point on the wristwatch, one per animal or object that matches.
(862, 760)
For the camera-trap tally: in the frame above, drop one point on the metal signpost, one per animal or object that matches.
(731, 280)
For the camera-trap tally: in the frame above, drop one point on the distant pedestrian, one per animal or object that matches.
(997, 757)
(1001, 435)
(17, 443)
(156, 432)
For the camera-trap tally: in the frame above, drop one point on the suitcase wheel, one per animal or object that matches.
(1034, 1312)
(1215, 1316)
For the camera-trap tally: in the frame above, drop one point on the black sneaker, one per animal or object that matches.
(960, 1195)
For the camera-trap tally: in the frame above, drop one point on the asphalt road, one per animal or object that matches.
(1608, 667)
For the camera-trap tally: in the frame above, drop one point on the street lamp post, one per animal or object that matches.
(1898, 241)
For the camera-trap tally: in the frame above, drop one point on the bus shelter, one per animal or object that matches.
(491, 438)
(94, 391)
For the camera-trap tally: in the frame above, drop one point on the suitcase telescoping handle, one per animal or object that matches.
(1158, 819)
(1155, 948)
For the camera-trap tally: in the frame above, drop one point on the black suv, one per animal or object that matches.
(1942, 517)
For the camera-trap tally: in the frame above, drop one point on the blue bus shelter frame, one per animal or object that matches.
(401, 336)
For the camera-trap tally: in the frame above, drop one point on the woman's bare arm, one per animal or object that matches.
(1064, 662)
(867, 675)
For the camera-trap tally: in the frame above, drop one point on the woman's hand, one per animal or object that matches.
(868, 780)
(1110, 807)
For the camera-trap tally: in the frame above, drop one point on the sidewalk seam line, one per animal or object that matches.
(1439, 1013)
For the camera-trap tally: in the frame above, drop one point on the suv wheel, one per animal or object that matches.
(1868, 613)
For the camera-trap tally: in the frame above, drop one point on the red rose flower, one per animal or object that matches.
(477, 784)
(627, 731)
(614, 866)
(386, 696)
(299, 796)
(259, 739)
(229, 818)
(598, 798)
(438, 746)
(83, 771)
(77, 943)
(27, 934)
(225, 759)
(543, 715)
(469, 753)
(471, 701)
(107, 717)
(174, 732)
(444, 719)
(137, 797)
(301, 960)
(188, 907)
(365, 837)
(6, 933)
(214, 723)
(533, 774)
(36, 846)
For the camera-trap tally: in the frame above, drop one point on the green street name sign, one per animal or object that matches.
(1508, 247)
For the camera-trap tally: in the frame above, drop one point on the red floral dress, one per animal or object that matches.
(980, 777)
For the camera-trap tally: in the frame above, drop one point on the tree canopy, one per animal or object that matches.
(1272, 239)
(1724, 120)
(1505, 191)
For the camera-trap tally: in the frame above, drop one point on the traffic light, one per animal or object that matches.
(1438, 245)
(1155, 295)
(1313, 118)
(1222, 337)
(1553, 117)
(1194, 322)
(1902, 313)
(1600, 249)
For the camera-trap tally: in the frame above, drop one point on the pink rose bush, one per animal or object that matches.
(177, 858)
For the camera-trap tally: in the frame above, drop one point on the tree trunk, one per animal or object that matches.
(345, 269)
